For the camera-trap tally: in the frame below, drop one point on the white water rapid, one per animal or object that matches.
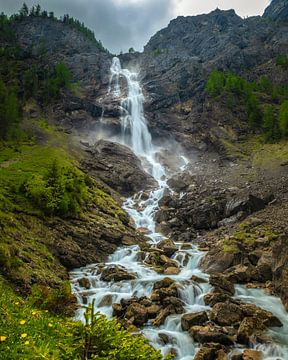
(135, 134)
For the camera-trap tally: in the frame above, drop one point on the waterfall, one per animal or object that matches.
(134, 128)
(125, 87)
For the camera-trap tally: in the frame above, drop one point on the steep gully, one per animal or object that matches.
(135, 134)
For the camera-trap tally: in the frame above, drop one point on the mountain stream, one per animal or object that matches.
(136, 135)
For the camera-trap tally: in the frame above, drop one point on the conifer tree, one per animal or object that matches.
(270, 125)
(24, 11)
(283, 118)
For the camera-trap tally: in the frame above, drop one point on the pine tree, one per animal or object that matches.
(270, 125)
(216, 83)
(283, 118)
(38, 10)
(32, 11)
(24, 11)
(253, 111)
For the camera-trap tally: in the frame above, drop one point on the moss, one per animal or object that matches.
(247, 234)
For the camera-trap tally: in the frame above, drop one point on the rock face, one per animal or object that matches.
(277, 11)
(117, 166)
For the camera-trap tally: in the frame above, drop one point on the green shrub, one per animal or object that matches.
(283, 118)
(282, 60)
(27, 332)
(62, 191)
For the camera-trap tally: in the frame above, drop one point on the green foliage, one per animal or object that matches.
(131, 50)
(29, 333)
(253, 110)
(234, 90)
(62, 191)
(9, 113)
(104, 339)
(57, 300)
(216, 83)
(271, 125)
(283, 118)
(282, 61)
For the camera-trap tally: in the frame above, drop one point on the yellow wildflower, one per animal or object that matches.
(46, 311)
(17, 303)
(3, 338)
(50, 325)
(22, 322)
(26, 342)
(24, 335)
(34, 313)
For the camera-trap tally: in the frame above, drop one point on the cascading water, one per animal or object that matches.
(135, 134)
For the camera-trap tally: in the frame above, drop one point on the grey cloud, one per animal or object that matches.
(119, 24)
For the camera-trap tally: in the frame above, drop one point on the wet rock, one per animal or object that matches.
(162, 293)
(211, 352)
(116, 273)
(226, 314)
(175, 302)
(164, 283)
(250, 354)
(269, 319)
(118, 311)
(248, 327)
(198, 279)
(240, 274)
(168, 247)
(220, 282)
(172, 271)
(189, 320)
(160, 319)
(106, 301)
(85, 283)
(137, 314)
(215, 297)
(210, 334)
(145, 301)
(167, 262)
(165, 339)
(153, 311)
(237, 356)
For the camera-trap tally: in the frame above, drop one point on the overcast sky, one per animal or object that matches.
(121, 24)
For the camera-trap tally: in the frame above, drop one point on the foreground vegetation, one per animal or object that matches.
(27, 332)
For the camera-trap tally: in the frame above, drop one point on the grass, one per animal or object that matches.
(27, 236)
(27, 332)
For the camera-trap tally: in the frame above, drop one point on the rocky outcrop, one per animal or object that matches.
(277, 11)
(118, 167)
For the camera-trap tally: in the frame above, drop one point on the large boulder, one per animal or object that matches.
(137, 314)
(118, 167)
(211, 352)
(250, 354)
(211, 334)
(246, 204)
(221, 283)
(116, 273)
(226, 314)
(168, 247)
(189, 320)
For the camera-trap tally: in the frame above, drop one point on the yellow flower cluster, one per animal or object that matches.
(22, 322)
(3, 338)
